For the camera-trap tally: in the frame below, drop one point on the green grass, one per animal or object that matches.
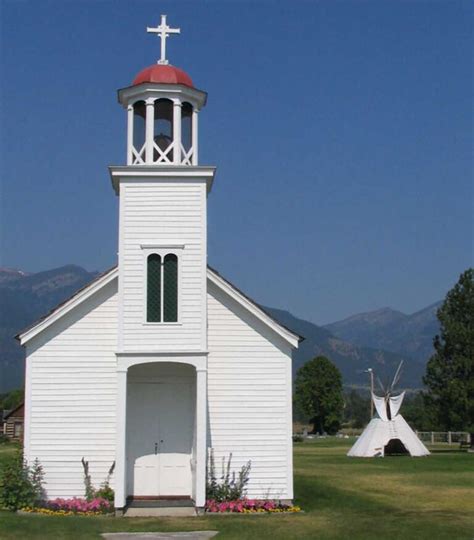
(392, 498)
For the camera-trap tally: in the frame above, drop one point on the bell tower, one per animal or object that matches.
(162, 213)
(162, 106)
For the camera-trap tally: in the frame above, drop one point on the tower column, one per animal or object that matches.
(177, 131)
(150, 119)
(201, 436)
(130, 134)
(195, 135)
(121, 440)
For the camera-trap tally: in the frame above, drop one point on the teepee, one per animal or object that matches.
(388, 432)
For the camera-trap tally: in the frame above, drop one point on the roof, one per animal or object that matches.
(103, 279)
(163, 74)
(13, 411)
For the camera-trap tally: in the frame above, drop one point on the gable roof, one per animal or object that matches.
(103, 279)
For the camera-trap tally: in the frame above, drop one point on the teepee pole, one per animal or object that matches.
(371, 373)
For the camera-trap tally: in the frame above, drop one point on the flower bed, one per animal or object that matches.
(249, 506)
(74, 506)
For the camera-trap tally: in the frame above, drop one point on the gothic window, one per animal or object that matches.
(153, 297)
(170, 288)
(162, 288)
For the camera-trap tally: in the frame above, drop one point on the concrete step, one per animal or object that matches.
(160, 511)
(160, 503)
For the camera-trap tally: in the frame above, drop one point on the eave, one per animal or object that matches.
(164, 173)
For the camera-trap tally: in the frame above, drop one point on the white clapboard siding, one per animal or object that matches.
(249, 396)
(163, 214)
(71, 393)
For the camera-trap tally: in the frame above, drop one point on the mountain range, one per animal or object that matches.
(408, 335)
(378, 339)
(351, 358)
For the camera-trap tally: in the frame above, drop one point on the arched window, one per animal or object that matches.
(170, 289)
(162, 288)
(187, 126)
(139, 116)
(153, 292)
(163, 131)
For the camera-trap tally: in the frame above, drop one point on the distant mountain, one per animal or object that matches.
(23, 299)
(409, 335)
(351, 359)
(8, 275)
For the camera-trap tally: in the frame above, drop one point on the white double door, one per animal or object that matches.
(160, 438)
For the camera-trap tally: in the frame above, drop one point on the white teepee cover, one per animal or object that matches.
(381, 430)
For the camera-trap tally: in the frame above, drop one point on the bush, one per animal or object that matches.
(105, 491)
(230, 487)
(298, 438)
(20, 485)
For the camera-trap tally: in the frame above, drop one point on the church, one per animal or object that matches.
(160, 360)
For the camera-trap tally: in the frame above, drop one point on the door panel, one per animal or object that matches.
(143, 461)
(175, 439)
(160, 428)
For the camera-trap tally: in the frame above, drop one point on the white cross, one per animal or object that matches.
(163, 31)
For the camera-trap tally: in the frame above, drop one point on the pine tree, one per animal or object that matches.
(450, 371)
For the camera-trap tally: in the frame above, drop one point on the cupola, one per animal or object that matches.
(162, 106)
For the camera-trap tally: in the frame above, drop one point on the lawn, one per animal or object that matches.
(391, 498)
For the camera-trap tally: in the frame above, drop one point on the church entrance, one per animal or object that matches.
(160, 430)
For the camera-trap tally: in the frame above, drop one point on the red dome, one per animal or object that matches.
(163, 74)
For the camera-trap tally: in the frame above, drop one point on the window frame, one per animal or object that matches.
(17, 429)
(161, 250)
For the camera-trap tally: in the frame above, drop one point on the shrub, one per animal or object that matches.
(21, 485)
(230, 487)
(105, 491)
(298, 438)
(89, 488)
(36, 474)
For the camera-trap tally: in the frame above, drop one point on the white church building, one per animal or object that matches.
(160, 359)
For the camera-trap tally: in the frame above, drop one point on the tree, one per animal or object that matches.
(417, 414)
(450, 371)
(318, 394)
(356, 409)
(12, 399)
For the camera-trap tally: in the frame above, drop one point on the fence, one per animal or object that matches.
(449, 437)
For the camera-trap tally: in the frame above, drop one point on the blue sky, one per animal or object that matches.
(341, 132)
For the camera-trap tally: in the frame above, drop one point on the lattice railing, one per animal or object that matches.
(138, 158)
(186, 157)
(163, 155)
